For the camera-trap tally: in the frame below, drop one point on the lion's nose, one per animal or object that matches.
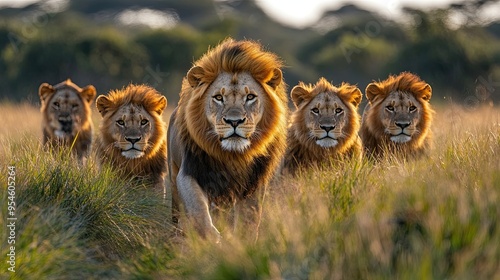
(403, 125)
(234, 123)
(327, 128)
(133, 140)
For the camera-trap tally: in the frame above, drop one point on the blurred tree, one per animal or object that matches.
(88, 44)
(438, 55)
(357, 50)
(470, 10)
(103, 57)
(173, 49)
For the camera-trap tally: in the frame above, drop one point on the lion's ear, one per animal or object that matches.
(45, 91)
(276, 79)
(356, 97)
(103, 104)
(299, 95)
(194, 75)
(372, 90)
(160, 104)
(88, 93)
(426, 92)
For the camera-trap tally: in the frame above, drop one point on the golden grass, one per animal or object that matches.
(434, 217)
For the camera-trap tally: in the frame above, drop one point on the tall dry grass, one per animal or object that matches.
(434, 217)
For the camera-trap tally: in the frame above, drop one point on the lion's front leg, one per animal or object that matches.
(196, 205)
(248, 213)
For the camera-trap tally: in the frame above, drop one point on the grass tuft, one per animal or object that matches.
(429, 218)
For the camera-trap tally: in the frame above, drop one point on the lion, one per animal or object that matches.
(67, 117)
(132, 138)
(324, 125)
(227, 135)
(398, 117)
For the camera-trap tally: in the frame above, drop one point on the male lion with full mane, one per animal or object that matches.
(67, 118)
(398, 117)
(132, 136)
(227, 135)
(324, 125)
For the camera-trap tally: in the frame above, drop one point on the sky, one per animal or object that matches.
(301, 13)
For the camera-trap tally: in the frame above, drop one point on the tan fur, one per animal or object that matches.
(67, 118)
(323, 111)
(399, 101)
(132, 135)
(235, 87)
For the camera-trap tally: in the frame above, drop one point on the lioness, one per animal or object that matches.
(67, 116)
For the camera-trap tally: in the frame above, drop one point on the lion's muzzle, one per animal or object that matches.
(403, 135)
(66, 123)
(132, 148)
(234, 122)
(403, 125)
(133, 140)
(327, 128)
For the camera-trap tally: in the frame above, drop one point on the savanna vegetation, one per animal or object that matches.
(434, 217)
(430, 218)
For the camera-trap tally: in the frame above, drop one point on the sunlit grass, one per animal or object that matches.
(430, 218)
(76, 220)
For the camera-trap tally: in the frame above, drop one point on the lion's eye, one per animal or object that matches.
(315, 110)
(339, 110)
(413, 108)
(251, 97)
(144, 122)
(56, 104)
(390, 108)
(74, 106)
(218, 97)
(120, 122)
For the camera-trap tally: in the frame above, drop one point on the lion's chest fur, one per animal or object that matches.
(226, 182)
(307, 155)
(151, 167)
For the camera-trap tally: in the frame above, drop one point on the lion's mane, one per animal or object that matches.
(153, 165)
(302, 149)
(224, 175)
(372, 132)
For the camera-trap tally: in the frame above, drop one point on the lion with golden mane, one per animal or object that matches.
(324, 126)
(67, 118)
(398, 117)
(227, 135)
(132, 138)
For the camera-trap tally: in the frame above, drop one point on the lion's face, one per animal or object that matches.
(131, 130)
(66, 108)
(398, 112)
(132, 121)
(234, 108)
(325, 117)
(400, 115)
(64, 112)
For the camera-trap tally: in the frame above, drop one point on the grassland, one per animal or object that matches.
(432, 218)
